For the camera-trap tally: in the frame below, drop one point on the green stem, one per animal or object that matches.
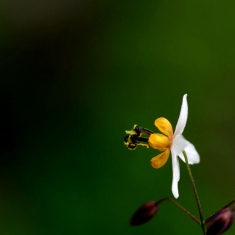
(195, 193)
(180, 207)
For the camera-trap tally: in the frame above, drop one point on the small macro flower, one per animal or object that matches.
(174, 143)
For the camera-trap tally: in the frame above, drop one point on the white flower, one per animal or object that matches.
(174, 143)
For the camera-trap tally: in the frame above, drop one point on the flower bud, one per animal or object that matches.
(145, 213)
(220, 222)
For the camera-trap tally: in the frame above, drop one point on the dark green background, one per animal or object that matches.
(74, 75)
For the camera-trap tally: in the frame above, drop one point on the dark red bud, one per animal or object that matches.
(145, 213)
(220, 222)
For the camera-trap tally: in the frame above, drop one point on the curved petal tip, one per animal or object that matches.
(183, 117)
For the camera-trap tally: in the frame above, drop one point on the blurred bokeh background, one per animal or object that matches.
(74, 75)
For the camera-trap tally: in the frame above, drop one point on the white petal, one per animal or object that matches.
(192, 154)
(176, 175)
(179, 143)
(183, 117)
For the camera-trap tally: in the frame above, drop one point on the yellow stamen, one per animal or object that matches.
(160, 160)
(131, 132)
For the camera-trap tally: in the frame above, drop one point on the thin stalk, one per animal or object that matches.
(229, 204)
(180, 207)
(195, 193)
